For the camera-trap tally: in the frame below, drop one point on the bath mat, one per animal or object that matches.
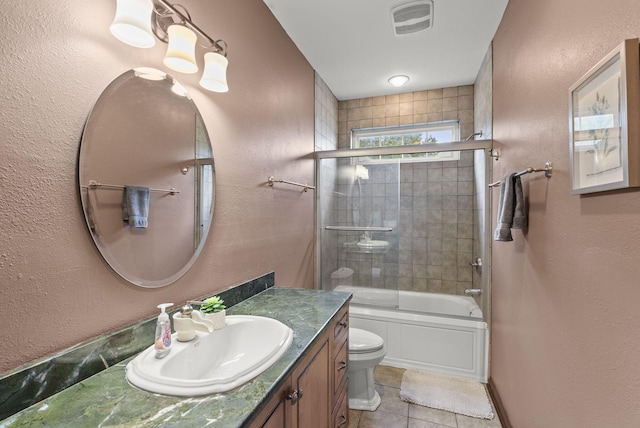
(454, 394)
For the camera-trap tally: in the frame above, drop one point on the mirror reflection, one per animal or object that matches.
(147, 177)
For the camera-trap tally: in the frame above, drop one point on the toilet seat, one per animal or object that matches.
(362, 341)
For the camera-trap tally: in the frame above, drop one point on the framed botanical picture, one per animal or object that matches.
(604, 123)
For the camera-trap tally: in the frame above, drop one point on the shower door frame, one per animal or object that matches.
(485, 145)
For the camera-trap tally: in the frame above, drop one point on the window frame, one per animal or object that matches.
(453, 126)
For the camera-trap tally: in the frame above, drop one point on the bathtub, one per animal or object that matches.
(435, 332)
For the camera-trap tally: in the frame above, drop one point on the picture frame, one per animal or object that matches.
(604, 123)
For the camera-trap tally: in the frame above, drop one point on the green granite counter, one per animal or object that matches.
(107, 400)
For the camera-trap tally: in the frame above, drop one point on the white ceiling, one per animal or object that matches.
(352, 46)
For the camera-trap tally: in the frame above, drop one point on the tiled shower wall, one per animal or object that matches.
(436, 105)
(326, 138)
(436, 225)
(326, 117)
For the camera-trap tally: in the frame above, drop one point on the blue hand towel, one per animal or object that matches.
(519, 210)
(135, 206)
(506, 206)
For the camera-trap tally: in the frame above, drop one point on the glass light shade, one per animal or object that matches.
(181, 52)
(132, 23)
(398, 80)
(214, 76)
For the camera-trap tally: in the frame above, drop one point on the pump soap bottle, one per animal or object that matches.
(163, 332)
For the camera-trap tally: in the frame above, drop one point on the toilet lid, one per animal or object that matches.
(363, 341)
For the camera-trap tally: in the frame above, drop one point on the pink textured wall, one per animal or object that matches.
(57, 58)
(565, 341)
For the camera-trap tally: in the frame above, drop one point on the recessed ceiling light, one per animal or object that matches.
(398, 80)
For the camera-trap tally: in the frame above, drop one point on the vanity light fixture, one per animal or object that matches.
(398, 80)
(132, 23)
(214, 76)
(181, 52)
(139, 22)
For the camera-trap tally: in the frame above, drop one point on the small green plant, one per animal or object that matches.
(212, 305)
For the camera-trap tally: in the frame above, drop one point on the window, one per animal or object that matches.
(409, 135)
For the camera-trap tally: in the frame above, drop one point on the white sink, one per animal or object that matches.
(213, 362)
(372, 243)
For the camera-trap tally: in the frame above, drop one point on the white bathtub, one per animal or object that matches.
(435, 332)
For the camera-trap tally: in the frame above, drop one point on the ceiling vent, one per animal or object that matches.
(411, 17)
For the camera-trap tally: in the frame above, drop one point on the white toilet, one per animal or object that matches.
(366, 350)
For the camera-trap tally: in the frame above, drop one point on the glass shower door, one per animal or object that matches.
(405, 220)
(358, 222)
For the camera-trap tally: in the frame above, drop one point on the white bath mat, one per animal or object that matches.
(454, 394)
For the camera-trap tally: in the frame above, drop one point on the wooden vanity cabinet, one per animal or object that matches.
(315, 395)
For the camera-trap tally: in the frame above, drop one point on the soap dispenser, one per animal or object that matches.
(162, 344)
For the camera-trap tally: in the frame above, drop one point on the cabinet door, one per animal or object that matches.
(277, 413)
(311, 381)
(339, 371)
(277, 419)
(341, 412)
(339, 352)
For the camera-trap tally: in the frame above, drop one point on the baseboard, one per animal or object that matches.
(497, 402)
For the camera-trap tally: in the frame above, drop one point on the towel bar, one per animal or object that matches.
(548, 169)
(93, 184)
(272, 180)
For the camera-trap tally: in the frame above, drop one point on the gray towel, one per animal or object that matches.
(135, 206)
(506, 206)
(519, 211)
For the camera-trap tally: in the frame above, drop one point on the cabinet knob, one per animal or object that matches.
(295, 396)
(343, 419)
(342, 365)
(342, 323)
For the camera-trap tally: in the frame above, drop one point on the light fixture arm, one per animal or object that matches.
(220, 46)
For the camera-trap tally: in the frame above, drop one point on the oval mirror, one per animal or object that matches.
(147, 177)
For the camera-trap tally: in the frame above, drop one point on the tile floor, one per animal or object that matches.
(394, 413)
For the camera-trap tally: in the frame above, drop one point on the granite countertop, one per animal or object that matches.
(107, 399)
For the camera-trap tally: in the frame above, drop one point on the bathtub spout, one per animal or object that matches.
(473, 291)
